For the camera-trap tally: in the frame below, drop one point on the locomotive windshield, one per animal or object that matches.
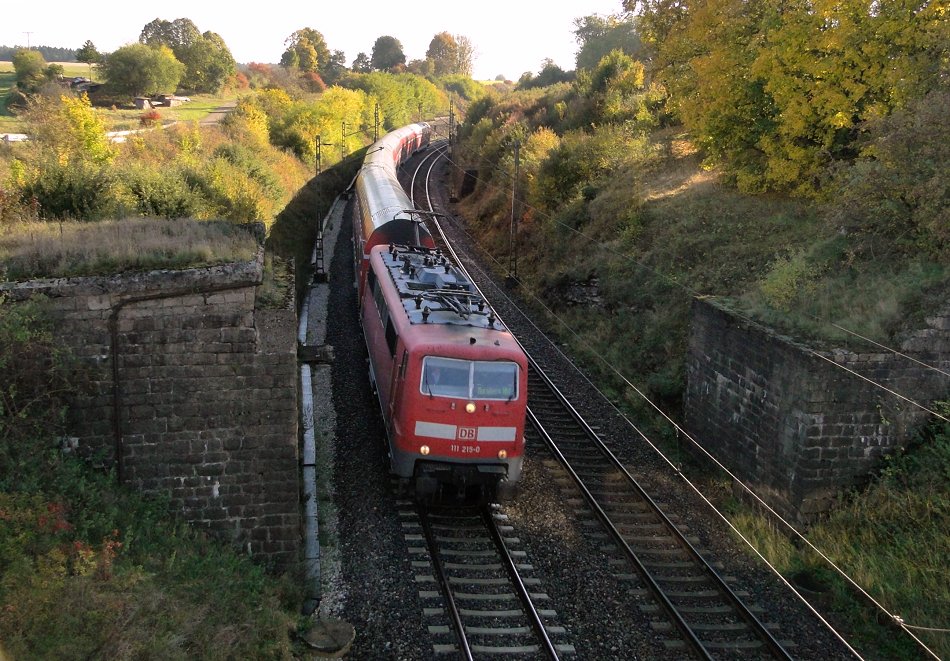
(468, 379)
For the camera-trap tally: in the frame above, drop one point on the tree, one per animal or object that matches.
(443, 53)
(137, 69)
(207, 59)
(30, 68)
(898, 189)
(420, 67)
(550, 74)
(335, 68)
(362, 63)
(181, 32)
(88, 54)
(464, 55)
(70, 129)
(306, 50)
(598, 35)
(387, 54)
(208, 64)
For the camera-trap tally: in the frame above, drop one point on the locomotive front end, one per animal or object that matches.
(464, 421)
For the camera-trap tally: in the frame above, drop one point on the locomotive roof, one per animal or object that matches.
(434, 291)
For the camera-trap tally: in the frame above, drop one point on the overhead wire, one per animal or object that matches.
(682, 285)
(893, 617)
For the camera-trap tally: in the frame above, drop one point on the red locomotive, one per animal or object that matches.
(451, 380)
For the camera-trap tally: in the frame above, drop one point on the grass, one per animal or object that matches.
(61, 249)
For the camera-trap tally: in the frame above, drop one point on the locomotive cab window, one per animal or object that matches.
(449, 377)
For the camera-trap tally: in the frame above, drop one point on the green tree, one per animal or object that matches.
(180, 33)
(387, 54)
(306, 50)
(208, 64)
(30, 68)
(362, 63)
(898, 189)
(598, 35)
(137, 69)
(335, 68)
(550, 74)
(88, 54)
(443, 54)
(207, 59)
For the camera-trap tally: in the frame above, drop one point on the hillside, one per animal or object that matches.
(621, 225)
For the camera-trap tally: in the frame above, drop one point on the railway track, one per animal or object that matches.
(695, 607)
(481, 601)
(699, 606)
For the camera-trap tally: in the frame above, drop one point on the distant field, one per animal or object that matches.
(116, 120)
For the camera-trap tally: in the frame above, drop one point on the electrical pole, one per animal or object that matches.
(319, 150)
(451, 120)
(376, 123)
(343, 141)
(513, 227)
(27, 39)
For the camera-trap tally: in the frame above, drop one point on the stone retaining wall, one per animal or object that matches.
(205, 389)
(795, 427)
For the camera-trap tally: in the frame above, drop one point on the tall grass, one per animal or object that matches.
(61, 249)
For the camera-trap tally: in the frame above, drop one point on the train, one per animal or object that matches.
(451, 380)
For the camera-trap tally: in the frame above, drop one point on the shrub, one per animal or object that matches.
(789, 279)
(150, 118)
(161, 192)
(79, 191)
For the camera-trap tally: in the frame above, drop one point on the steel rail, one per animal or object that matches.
(741, 609)
(443, 581)
(520, 588)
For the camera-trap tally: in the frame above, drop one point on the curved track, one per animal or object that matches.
(701, 610)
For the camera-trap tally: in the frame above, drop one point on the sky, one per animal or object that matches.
(510, 36)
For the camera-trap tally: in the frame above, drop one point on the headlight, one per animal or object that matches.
(503, 454)
(424, 450)
(470, 407)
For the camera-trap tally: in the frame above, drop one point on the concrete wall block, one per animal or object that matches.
(771, 405)
(207, 418)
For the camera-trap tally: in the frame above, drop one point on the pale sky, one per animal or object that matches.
(510, 37)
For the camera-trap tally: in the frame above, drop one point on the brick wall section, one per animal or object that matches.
(796, 428)
(207, 394)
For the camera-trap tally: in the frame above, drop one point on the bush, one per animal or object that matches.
(150, 118)
(161, 192)
(78, 191)
(789, 279)
(35, 381)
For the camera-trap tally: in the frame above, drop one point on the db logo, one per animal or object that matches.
(468, 433)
